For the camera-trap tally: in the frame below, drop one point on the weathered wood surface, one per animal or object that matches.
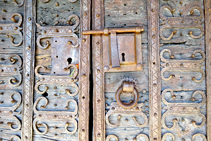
(182, 46)
(53, 14)
(10, 95)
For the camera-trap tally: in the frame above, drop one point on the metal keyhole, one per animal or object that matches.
(123, 57)
(69, 60)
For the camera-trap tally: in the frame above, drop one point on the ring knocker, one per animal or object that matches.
(128, 87)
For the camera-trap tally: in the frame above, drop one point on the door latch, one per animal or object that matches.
(122, 51)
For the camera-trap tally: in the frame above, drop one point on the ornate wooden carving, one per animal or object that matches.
(150, 67)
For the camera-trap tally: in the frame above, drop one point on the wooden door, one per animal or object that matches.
(150, 70)
(152, 84)
(45, 67)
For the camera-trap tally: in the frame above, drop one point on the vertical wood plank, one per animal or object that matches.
(98, 76)
(28, 68)
(84, 72)
(207, 5)
(154, 71)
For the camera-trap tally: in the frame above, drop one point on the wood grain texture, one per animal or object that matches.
(98, 83)
(84, 72)
(29, 50)
(154, 70)
(11, 82)
(207, 4)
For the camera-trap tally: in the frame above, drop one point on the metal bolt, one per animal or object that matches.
(12, 60)
(173, 96)
(173, 10)
(1, 28)
(191, 12)
(4, 10)
(98, 15)
(144, 91)
(175, 120)
(193, 99)
(84, 40)
(172, 56)
(14, 80)
(13, 101)
(13, 19)
(57, 4)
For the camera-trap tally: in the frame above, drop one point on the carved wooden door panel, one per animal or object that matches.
(151, 70)
(150, 67)
(44, 61)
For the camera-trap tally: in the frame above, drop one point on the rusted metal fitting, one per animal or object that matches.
(128, 86)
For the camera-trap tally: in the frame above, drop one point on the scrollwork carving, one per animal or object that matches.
(10, 112)
(143, 136)
(13, 29)
(57, 80)
(15, 69)
(19, 4)
(182, 65)
(168, 134)
(187, 21)
(58, 31)
(201, 135)
(59, 116)
(112, 136)
(116, 109)
(183, 109)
